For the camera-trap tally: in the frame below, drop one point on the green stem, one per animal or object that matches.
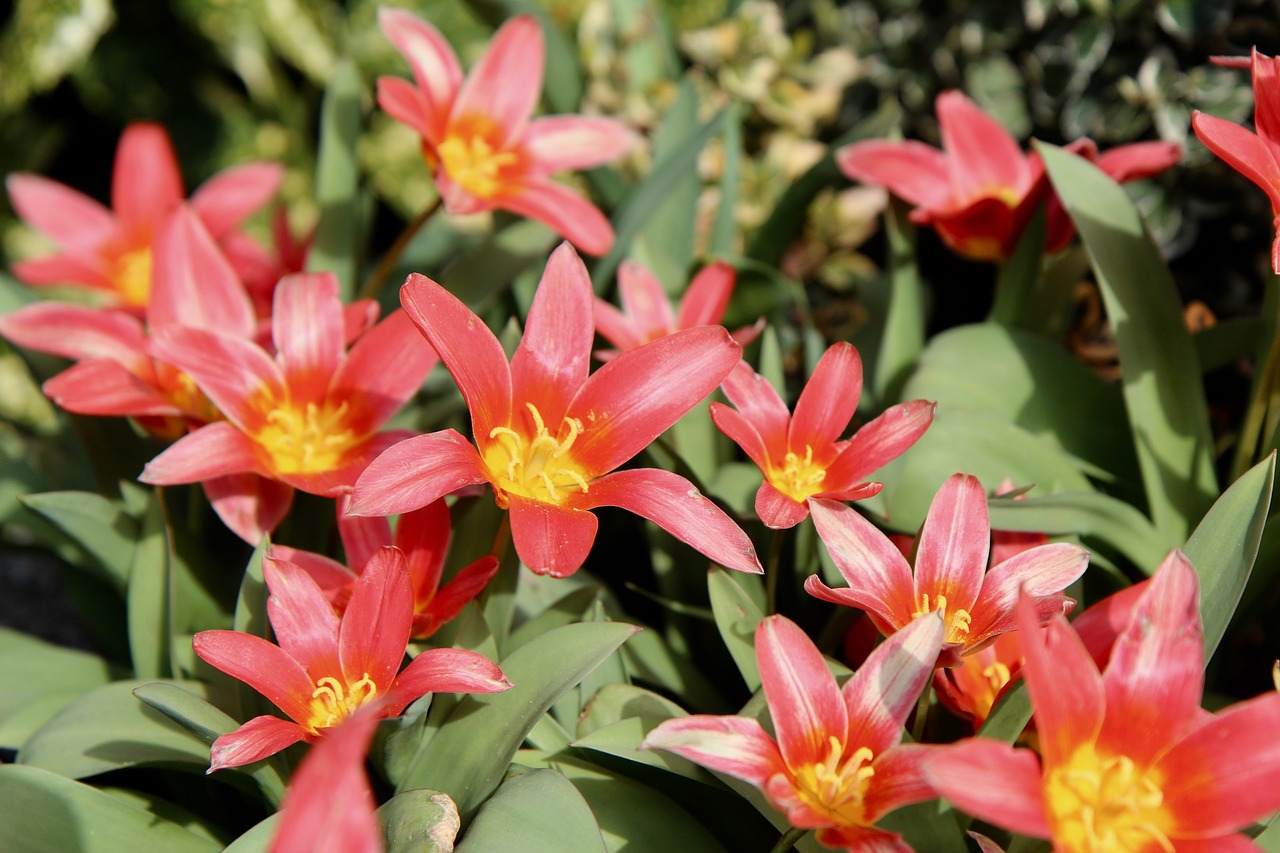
(772, 566)
(1264, 389)
(373, 283)
(922, 712)
(789, 839)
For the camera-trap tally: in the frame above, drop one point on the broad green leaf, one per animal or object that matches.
(1085, 514)
(647, 198)
(44, 811)
(147, 598)
(1010, 715)
(616, 702)
(1024, 379)
(737, 616)
(40, 679)
(670, 230)
(206, 723)
(484, 731)
(1227, 341)
(108, 728)
(928, 826)
(419, 821)
(651, 658)
(1162, 378)
(258, 838)
(536, 812)
(1269, 838)
(99, 526)
(1225, 544)
(902, 338)
(724, 230)
(478, 276)
(337, 234)
(1018, 276)
(985, 446)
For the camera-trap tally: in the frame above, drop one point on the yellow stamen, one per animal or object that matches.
(1108, 804)
(132, 277)
(471, 157)
(836, 786)
(798, 478)
(309, 439)
(331, 703)
(957, 622)
(539, 467)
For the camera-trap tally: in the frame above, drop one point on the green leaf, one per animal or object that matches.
(1026, 380)
(500, 257)
(1225, 544)
(737, 616)
(147, 598)
(41, 678)
(1269, 838)
(335, 246)
(258, 838)
(108, 728)
(1162, 378)
(724, 229)
(904, 323)
(647, 198)
(206, 723)
(484, 731)
(928, 826)
(536, 812)
(99, 526)
(1227, 341)
(45, 811)
(1016, 282)
(419, 821)
(670, 230)
(1010, 715)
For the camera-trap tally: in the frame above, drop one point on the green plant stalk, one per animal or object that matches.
(789, 839)
(1262, 404)
(374, 282)
(922, 713)
(773, 564)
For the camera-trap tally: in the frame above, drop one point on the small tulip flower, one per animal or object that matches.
(838, 764)
(1128, 759)
(802, 456)
(477, 135)
(327, 667)
(950, 573)
(548, 436)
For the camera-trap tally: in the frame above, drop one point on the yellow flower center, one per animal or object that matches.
(799, 477)
(331, 702)
(541, 467)
(1105, 805)
(471, 157)
(837, 786)
(957, 622)
(132, 277)
(308, 439)
(187, 396)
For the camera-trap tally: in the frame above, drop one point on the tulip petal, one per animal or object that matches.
(362, 535)
(404, 102)
(634, 398)
(951, 555)
(145, 183)
(102, 387)
(434, 64)
(551, 539)
(249, 505)
(448, 602)
(506, 82)
(575, 142)
(982, 157)
(88, 272)
(737, 746)
(554, 355)
(879, 442)
(1242, 150)
(193, 283)
(386, 366)
(234, 373)
(828, 400)
(375, 626)
(674, 504)
(1139, 160)
(760, 405)
(1266, 112)
(1040, 571)
(913, 171)
(899, 780)
(448, 671)
(883, 691)
(262, 665)
(870, 563)
(804, 702)
(777, 510)
(67, 217)
(78, 332)
(257, 739)
(214, 450)
(307, 330)
(423, 536)
(992, 781)
(615, 327)
(742, 432)
(416, 472)
(302, 619)
(645, 302)
(468, 349)
(567, 213)
(707, 297)
(232, 195)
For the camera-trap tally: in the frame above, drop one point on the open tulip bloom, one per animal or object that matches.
(327, 667)
(838, 763)
(306, 415)
(548, 436)
(950, 573)
(110, 251)
(423, 537)
(477, 135)
(979, 191)
(1254, 155)
(647, 313)
(1128, 759)
(801, 455)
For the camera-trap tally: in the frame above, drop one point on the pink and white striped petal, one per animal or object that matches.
(145, 182)
(506, 83)
(567, 213)
(707, 297)
(307, 330)
(881, 694)
(828, 400)
(232, 195)
(255, 740)
(416, 472)
(435, 66)
(951, 556)
(807, 708)
(993, 781)
(575, 142)
(375, 627)
(194, 283)
(214, 450)
(737, 746)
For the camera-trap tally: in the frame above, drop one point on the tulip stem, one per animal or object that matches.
(374, 282)
(789, 839)
(922, 712)
(1262, 401)
(773, 564)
